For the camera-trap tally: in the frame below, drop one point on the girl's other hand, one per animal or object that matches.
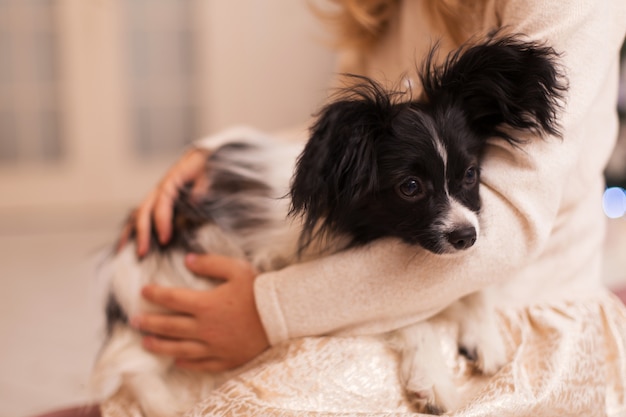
(210, 330)
(158, 206)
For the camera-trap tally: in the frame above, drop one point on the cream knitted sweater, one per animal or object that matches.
(542, 220)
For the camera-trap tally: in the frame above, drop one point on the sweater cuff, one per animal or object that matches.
(268, 306)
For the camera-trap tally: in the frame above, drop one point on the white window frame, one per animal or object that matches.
(274, 81)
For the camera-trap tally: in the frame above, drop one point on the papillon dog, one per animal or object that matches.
(377, 164)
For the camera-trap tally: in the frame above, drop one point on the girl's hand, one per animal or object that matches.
(211, 330)
(158, 206)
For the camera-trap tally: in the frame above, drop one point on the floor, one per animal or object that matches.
(50, 315)
(50, 320)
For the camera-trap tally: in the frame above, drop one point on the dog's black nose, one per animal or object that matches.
(462, 238)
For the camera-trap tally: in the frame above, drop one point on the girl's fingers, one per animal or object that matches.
(159, 205)
(163, 210)
(168, 326)
(183, 300)
(192, 164)
(190, 168)
(200, 187)
(218, 266)
(143, 227)
(182, 349)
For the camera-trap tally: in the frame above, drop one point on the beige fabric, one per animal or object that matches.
(567, 359)
(543, 235)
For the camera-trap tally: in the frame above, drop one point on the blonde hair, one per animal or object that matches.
(358, 24)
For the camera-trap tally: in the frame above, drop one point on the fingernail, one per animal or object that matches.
(135, 322)
(190, 258)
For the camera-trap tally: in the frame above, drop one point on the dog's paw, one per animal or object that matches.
(484, 347)
(424, 402)
(423, 370)
(480, 339)
(436, 399)
(431, 391)
(491, 358)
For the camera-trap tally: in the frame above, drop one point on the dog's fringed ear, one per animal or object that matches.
(503, 81)
(338, 164)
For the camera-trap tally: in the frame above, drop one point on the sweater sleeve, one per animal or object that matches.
(388, 284)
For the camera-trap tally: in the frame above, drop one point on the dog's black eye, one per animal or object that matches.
(411, 189)
(471, 176)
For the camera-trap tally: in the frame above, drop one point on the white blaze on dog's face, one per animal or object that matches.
(459, 228)
(458, 225)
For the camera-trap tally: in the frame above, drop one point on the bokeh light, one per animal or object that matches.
(614, 202)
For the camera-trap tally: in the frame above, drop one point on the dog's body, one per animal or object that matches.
(244, 217)
(374, 167)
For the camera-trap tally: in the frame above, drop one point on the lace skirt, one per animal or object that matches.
(565, 359)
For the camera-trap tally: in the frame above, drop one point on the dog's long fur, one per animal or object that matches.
(376, 165)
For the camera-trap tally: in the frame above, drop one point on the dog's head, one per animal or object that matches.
(380, 166)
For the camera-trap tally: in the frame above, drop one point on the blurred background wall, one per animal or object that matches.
(97, 97)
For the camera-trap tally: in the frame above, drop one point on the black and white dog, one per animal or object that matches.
(376, 165)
